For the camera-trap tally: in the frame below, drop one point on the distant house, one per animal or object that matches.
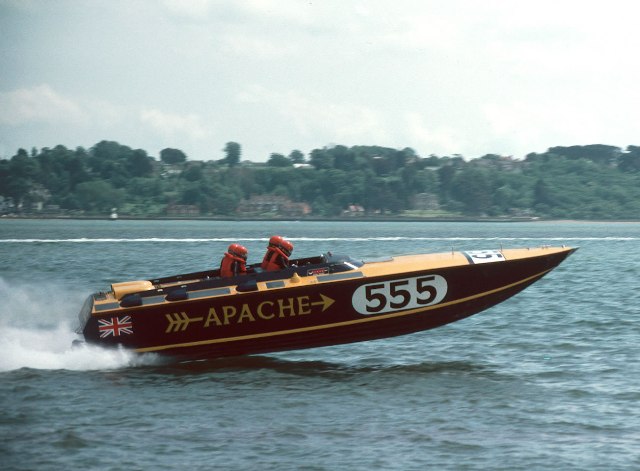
(37, 198)
(354, 210)
(182, 210)
(167, 170)
(426, 202)
(279, 205)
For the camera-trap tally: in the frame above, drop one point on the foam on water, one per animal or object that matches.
(37, 326)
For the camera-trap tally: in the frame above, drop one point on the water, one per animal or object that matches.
(547, 380)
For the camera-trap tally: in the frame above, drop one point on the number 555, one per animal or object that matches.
(396, 295)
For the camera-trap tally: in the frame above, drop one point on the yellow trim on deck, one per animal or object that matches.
(128, 287)
(392, 266)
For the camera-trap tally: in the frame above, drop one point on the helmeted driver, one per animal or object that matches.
(278, 253)
(234, 262)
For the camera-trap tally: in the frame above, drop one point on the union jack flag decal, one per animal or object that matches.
(115, 326)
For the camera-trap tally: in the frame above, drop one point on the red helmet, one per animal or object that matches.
(276, 240)
(238, 250)
(286, 246)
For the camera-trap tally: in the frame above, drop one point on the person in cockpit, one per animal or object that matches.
(234, 262)
(278, 253)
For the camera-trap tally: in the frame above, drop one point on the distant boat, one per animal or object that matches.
(114, 214)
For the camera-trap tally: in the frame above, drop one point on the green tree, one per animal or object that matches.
(5, 174)
(23, 171)
(193, 194)
(172, 156)
(232, 152)
(99, 196)
(630, 160)
(145, 188)
(109, 160)
(279, 160)
(542, 194)
(193, 173)
(296, 157)
(23, 166)
(110, 151)
(471, 187)
(321, 159)
(343, 158)
(598, 153)
(139, 163)
(77, 167)
(446, 173)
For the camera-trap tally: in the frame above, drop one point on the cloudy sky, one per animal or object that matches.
(466, 77)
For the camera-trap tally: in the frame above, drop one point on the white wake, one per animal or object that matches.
(37, 324)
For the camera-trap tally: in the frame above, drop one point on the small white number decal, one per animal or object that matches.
(398, 295)
(484, 256)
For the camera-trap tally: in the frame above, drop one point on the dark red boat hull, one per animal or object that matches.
(312, 315)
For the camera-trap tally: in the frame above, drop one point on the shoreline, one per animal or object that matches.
(321, 219)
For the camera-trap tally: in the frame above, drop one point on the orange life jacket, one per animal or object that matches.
(274, 259)
(232, 265)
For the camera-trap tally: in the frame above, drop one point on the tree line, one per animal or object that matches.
(578, 182)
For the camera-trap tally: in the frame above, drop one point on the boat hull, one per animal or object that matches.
(374, 301)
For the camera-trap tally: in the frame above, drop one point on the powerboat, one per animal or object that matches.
(318, 301)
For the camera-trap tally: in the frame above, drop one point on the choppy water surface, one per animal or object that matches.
(547, 380)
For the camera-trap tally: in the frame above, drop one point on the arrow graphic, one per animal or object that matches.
(325, 302)
(179, 321)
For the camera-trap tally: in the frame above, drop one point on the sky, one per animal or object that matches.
(467, 77)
